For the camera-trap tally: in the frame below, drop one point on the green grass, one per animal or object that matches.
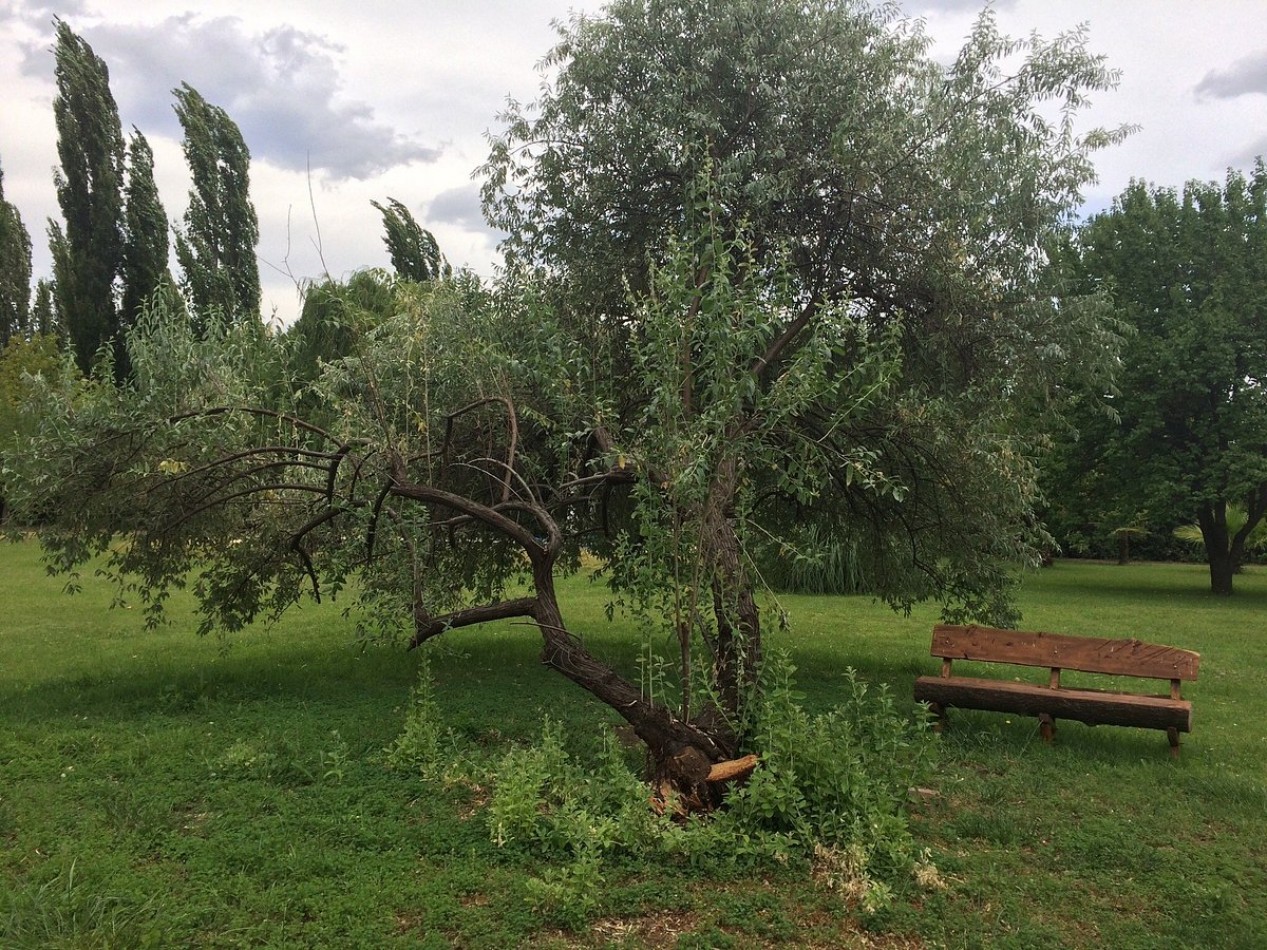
(157, 789)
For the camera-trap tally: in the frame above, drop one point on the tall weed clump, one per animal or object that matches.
(424, 745)
(829, 796)
(836, 785)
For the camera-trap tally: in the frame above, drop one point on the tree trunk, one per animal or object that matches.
(1222, 560)
(683, 751)
(736, 647)
(1222, 570)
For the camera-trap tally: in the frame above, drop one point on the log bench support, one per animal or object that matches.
(1052, 701)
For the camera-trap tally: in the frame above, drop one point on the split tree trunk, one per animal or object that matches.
(684, 751)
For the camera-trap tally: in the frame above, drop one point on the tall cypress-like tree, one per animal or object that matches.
(145, 251)
(15, 270)
(88, 252)
(46, 320)
(216, 247)
(414, 252)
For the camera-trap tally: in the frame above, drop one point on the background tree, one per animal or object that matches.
(216, 247)
(1189, 274)
(15, 271)
(335, 315)
(24, 362)
(414, 252)
(45, 319)
(146, 248)
(88, 252)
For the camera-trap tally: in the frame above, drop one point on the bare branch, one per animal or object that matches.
(434, 626)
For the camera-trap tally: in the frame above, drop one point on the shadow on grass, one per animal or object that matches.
(1188, 584)
(489, 686)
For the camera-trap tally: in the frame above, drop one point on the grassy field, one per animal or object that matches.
(161, 790)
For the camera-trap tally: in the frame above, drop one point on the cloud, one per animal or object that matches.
(1244, 77)
(923, 7)
(39, 13)
(281, 86)
(459, 206)
(1246, 157)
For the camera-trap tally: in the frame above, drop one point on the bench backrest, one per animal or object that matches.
(1056, 651)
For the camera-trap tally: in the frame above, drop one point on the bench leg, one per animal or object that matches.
(1173, 735)
(942, 723)
(1046, 726)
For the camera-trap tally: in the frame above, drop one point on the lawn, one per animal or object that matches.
(157, 789)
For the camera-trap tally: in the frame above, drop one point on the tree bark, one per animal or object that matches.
(683, 751)
(736, 646)
(1222, 571)
(1213, 522)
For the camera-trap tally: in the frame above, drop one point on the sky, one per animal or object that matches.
(342, 103)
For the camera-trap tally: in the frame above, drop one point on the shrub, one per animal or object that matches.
(830, 795)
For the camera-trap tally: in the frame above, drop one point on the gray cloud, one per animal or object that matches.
(280, 86)
(459, 206)
(39, 13)
(1244, 159)
(1244, 77)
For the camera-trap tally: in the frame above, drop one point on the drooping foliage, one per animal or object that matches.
(88, 250)
(216, 247)
(1188, 271)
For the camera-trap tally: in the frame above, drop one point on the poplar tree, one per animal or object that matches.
(216, 247)
(413, 249)
(15, 270)
(46, 320)
(88, 251)
(146, 247)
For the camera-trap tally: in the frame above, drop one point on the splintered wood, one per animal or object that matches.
(666, 798)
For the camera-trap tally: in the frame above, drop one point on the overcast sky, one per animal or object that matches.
(345, 102)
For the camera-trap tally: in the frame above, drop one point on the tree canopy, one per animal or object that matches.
(15, 271)
(921, 199)
(216, 247)
(1188, 270)
(88, 251)
(415, 255)
(145, 250)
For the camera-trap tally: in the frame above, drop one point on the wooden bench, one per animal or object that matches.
(1052, 701)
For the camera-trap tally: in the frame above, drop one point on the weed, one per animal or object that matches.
(334, 760)
(421, 744)
(65, 909)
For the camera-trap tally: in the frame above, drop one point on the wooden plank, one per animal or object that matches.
(1081, 705)
(1085, 654)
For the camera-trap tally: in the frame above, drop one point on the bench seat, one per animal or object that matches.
(1050, 701)
(1090, 706)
